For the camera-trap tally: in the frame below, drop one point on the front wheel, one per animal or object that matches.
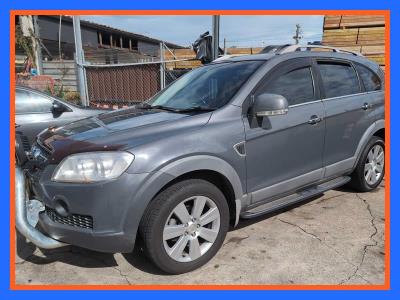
(185, 225)
(370, 169)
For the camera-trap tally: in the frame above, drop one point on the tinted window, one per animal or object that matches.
(339, 79)
(210, 86)
(296, 86)
(26, 102)
(371, 81)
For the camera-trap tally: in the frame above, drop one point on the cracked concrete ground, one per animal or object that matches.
(336, 238)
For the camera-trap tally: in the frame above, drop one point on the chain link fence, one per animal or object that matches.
(121, 85)
(125, 80)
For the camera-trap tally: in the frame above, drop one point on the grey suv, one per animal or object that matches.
(237, 138)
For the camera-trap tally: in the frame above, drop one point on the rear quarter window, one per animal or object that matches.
(339, 79)
(371, 81)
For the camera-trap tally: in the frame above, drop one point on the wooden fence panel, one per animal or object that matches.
(63, 72)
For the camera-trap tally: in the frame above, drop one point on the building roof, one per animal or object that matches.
(109, 29)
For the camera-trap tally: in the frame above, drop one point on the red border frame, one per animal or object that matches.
(15, 286)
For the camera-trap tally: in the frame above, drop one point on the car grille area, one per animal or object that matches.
(73, 220)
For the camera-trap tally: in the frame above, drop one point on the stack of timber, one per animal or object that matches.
(190, 57)
(364, 34)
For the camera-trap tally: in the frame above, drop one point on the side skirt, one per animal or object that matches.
(294, 198)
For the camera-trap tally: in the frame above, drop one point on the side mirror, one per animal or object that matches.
(270, 105)
(57, 108)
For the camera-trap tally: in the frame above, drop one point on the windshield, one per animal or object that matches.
(208, 87)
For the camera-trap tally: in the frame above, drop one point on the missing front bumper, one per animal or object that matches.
(27, 215)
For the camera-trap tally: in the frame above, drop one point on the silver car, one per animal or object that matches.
(238, 138)
(36, 111)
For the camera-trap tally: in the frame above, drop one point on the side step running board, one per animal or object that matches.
(294, 198)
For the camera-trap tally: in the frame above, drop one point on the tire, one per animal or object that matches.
(181, 253)
(359, 176)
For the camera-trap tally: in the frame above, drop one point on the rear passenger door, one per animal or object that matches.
(347, 114)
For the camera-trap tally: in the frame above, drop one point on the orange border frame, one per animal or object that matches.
(14, 286)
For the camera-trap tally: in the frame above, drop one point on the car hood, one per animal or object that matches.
(116, 130)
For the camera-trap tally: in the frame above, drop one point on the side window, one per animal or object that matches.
(30, 103)
(371, 81)
(296, 86)
(339, 79)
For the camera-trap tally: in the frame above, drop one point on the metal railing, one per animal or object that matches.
(293, 48)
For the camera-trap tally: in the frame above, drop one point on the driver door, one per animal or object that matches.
(284, 152)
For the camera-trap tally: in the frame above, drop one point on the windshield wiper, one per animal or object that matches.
(196, 108)
(145, 105)
(162, 107)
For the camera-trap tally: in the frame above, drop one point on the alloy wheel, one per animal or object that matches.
(191, 229)
(374, 164)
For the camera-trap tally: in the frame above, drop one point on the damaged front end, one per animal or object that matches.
(27, 215)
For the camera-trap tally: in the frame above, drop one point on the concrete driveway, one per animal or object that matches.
(337, 238)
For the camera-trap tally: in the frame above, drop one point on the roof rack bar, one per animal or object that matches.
(293, 48)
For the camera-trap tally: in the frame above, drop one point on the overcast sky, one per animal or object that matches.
(241, 31)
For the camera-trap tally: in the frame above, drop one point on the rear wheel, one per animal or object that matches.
(185, 225)
(371, 166)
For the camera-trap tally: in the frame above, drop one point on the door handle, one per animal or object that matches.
(314, 120)
(366, 106)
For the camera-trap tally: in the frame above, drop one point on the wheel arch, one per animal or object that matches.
(215, 178)
(380, 133)
(210, 168)
(214, 170)
(376, 129)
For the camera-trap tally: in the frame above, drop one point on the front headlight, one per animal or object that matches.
(92, 166)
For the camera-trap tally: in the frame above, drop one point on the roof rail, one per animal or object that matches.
(293, 48)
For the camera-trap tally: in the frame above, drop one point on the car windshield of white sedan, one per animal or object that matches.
(208, 87)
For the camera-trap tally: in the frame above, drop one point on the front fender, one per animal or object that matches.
(206, 162)
(155, 181)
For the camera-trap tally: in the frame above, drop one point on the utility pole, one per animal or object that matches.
(297, 36)
(80, 60)
(215, 36)
(225, 50)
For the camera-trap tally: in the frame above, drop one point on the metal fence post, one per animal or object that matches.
(162, 67)
(80, 59)
(215, 36)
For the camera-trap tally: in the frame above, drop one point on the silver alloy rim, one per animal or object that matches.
(191, 229)
(374, 165)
